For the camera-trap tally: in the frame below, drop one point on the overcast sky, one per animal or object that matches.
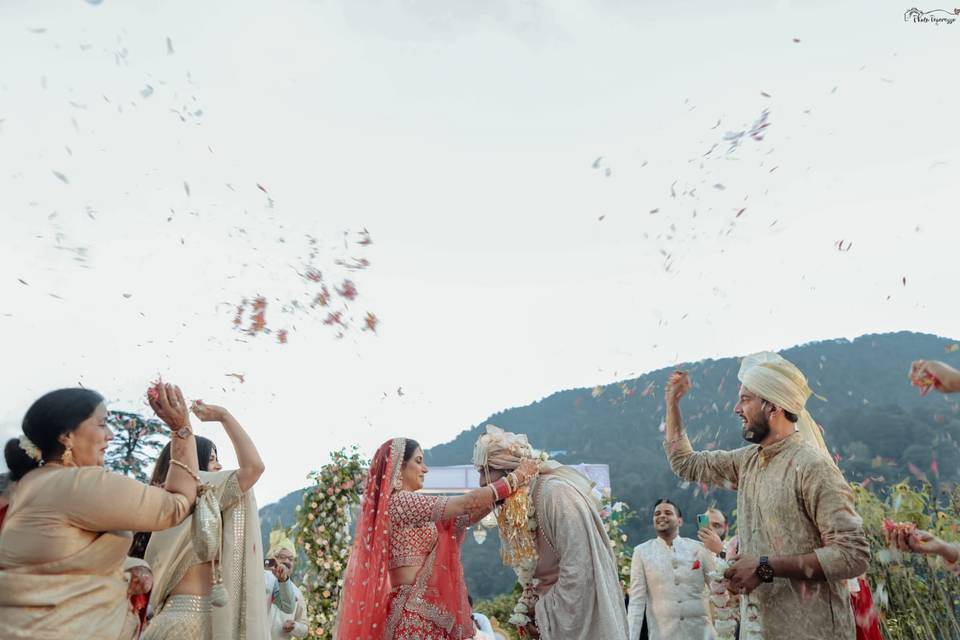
(463, 136)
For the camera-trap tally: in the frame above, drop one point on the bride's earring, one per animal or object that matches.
(398, 483)
(67, 458)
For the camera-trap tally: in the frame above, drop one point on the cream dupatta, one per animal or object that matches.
(170, 554)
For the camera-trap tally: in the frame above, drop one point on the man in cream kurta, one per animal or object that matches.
(669, 577)
(800, 536)
(579, 594)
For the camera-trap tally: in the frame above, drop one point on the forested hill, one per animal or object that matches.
(872, 418)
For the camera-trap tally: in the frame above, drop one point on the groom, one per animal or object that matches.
(552, 535)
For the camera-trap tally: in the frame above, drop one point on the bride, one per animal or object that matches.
(404, 579)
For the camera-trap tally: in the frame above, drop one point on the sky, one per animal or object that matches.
(551, 191)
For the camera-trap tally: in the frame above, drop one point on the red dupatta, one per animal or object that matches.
(439, 593)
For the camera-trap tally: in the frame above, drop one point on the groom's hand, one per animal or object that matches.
(677, 386)
(742, 575)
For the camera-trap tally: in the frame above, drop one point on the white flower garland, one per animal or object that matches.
(525, 571)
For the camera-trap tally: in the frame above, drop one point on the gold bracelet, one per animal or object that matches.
(186, 468)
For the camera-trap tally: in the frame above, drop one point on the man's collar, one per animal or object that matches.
(769, 452)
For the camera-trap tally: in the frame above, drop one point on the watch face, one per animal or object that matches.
(184, 432)
(765, 572)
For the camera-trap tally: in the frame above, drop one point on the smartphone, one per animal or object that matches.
(703, 521)
(269, 564)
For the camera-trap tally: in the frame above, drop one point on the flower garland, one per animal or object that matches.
(323, 535)
(524, 566)
(615, 516)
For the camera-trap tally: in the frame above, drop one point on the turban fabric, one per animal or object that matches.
(779, 381)
(280, 542)
(499, 449)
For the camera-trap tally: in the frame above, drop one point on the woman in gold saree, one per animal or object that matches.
(64, 541)
(404, 579)
(194, 598)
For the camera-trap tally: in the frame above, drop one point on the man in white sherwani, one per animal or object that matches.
(669, 583)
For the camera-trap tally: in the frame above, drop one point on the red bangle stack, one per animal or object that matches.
(502, 489)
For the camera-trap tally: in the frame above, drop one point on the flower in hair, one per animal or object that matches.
(31, 449)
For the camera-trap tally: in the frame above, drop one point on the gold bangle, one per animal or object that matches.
(186, 468)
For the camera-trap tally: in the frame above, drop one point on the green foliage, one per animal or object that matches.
(323, 535)
(135, 444)
(917, 597)
(499, 608)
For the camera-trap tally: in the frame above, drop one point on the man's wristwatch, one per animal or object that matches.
(764, 570)
(184, 432)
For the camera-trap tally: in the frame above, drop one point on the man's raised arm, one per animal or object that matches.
(720, 468)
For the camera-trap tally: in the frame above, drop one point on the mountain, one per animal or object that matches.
(879, 426)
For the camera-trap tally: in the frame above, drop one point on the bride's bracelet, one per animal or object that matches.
(501, 489)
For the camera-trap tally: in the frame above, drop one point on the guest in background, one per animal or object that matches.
(725, 605)
(197, 598)
(668, 582)
(65, 539)
(288, 609)
(482, 621)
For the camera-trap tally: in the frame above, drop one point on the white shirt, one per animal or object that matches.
(276, 617)
(669, 585)
(483, 623)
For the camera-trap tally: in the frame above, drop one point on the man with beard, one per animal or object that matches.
(800, 537)
(552, 535)
(668, 582)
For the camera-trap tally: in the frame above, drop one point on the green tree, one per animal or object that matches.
(135, 445)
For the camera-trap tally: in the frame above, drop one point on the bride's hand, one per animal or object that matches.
(208, 412)
(528, 468)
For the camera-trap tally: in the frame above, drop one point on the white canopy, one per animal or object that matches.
(463, 478)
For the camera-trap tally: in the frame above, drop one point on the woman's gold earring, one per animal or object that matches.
(67, 457)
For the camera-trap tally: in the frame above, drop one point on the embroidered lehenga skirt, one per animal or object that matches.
(182, 618)
(404, 624)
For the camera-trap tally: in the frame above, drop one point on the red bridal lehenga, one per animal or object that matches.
(401, 529)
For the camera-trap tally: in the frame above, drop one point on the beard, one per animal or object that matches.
(755, 431)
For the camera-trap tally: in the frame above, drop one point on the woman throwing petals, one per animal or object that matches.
(404, 580)
(65, 540)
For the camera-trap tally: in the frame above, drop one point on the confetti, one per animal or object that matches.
(169, 47)
(347, 290)
(796, 40)
(261, 187)
(371, 322)
(282, 336)
(62, 178)
(239, 376)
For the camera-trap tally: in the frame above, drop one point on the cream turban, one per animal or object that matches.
(777, 380)
(499, 449)
(280, 542)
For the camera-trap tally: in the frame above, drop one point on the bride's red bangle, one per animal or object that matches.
(502, 489)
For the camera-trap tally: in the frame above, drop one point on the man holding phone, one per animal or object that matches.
(712, 529)
(668, 582)
(287, 608)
